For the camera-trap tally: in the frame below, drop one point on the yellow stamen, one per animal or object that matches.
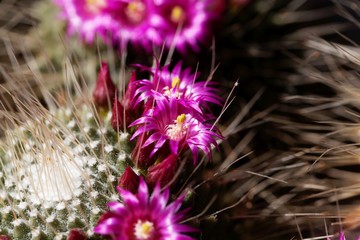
(133, 6)
(175, 82)
(178, 129)
(181, 119)
(177, 14)
(135, 11)
(143, 230)
(95, 5)
(174, 88)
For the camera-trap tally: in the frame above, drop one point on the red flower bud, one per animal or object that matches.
(4, 237)
(141, 155)
(130, 92)
(162, 172)
(129, 180)
(76, 234)
(134, 112)
(117, 118)
(105, 90)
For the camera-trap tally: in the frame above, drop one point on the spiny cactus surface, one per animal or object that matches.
(58, 173)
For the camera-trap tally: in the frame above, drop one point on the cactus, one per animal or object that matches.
(58, 172)
(60, 166)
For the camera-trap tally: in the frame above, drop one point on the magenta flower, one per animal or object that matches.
(342, 236)
(179, 84)
(144, 217)
(88, 18)
(185, 23)
(143, 22)
(134, 23)
(180, 127)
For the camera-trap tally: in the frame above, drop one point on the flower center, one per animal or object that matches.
(95, 6)
(177, 14)
(135, 11)
(174, 85)
(143, 229)
(177, 130)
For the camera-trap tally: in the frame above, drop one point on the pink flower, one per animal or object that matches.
(180, 84)
(171, 124)
(143, 216)
(180, 23)
(342, 236)
(133, 18)
(185, 22)
(88, 18)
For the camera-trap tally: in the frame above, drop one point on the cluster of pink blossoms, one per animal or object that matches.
(169, 116)
(143, 22)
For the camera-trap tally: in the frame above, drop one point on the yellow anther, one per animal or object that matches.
(133, 6)
(147, 228)
(135, 11)
(143, 230)
(178, 129)
(177, 14)
(175, 82)
(181, 118)
(95, 5)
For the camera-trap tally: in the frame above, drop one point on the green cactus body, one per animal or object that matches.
(58, 172)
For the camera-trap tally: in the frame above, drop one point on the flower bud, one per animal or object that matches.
(117, 118)
(136, 112)
(76, 234)
(130, 92)
(162, 172)
(132, 111)
(141, 155)
(129, 180)
(105, 90)
(4, 237)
